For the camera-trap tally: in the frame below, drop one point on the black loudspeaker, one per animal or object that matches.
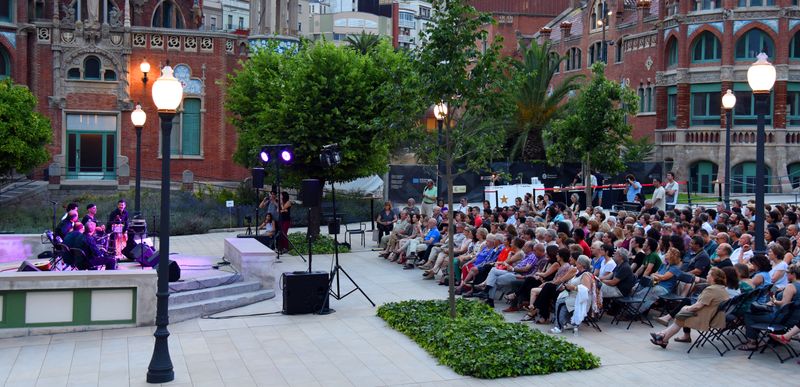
(174, 270)
(311, 192)
(27, 266)
(258, 177)
(305, 292)
(334, 227)
(144, 254)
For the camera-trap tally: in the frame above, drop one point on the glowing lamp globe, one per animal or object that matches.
(138, 116)
(761, 75)
(728, 100)
(144, 67)
(440, 111)
(167, 91)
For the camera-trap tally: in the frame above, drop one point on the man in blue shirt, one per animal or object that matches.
(432, 237)
(632, 188)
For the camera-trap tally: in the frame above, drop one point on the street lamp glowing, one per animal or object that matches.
(761, 76)
(440, 111)
(167, 91)
(138, 116)
(728, 100)
(144, 67)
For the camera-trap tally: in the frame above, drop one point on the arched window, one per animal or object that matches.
(618, 59)
(702, 174)
(743, 177)
(793, 171)
(672, 52)
(754, 42)
(596, 52)
(168, 15)
(706, 48)
(794, 46)
(91, 68)
(5, 64)
(573, 59)
(74, 73)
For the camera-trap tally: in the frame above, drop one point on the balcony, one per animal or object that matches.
(712, 136)
(411, 24)
(405, 39)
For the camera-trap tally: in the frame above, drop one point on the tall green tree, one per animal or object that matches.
(324, 94)
(24, 133)
(363, 42)
(469, 81)
(536, 104)
(594, 130)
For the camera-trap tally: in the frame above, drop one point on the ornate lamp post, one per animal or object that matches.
(761, 77)
(167, 96)
(603, 22)
(440, 112)
(728, 102)
(138, 117)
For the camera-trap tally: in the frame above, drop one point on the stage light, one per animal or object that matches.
(330, 155)
(264, 155)
(286, 155)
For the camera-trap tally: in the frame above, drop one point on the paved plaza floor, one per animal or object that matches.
(351, 347)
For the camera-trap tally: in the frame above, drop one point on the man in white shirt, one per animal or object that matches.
(659, 198)
(671, 190)
(743, 253)
(462, 206)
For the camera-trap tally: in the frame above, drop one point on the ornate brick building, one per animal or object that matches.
(82, 58)
(518, 18)
(681, 57)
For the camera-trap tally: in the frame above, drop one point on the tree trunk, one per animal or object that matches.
(451, 267)
(534, 146)
(587, 181)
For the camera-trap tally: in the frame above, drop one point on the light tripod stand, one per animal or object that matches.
(330, 157)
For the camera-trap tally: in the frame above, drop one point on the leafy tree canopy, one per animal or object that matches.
(325, 94)
(594, 129)
(24, 133)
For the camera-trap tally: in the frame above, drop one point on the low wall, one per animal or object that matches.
(19, 247)
(255, 261)
(54, 301)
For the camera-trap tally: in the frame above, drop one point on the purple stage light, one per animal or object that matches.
(264, 156)
(286, 156)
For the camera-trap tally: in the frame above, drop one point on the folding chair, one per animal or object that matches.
(784, 319)
(668, 301)
(709, 335)
(629, 306)
(360, 230)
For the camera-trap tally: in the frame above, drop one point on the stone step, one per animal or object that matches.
(202, 308)
(220, 278)
(212, 292)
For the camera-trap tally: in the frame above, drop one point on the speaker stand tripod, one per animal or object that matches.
(336, 268)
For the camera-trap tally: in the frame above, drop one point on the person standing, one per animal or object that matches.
(659, 195)
(285, 221)
(632, 188)
(671, 190)
(428, 198)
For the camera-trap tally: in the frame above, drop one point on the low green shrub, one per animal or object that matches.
(480, 343)
(322, 245)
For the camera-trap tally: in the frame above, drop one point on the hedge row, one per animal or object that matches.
(480, 343)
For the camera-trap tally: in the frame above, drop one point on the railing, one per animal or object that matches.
(405, 39)
(701, 136)
(407, 24)
(717, 136)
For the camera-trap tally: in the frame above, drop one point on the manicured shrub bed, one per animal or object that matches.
(480, 343)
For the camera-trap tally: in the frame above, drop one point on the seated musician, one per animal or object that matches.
(91, 213)
(117, 227)
(96, 254)
(66, 225)
(72, 206)
(74, 238)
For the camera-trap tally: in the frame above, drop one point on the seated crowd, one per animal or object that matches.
(561, 265)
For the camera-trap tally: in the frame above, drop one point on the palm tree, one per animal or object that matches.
(363, 42)
(537, 104)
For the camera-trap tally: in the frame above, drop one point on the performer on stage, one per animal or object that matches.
(72, 206)
(97, 256)
(118, 227)
(284, 221)
(91, 213)
(65, 226)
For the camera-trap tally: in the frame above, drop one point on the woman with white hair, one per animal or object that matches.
(566, 302)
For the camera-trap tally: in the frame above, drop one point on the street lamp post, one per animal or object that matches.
(138, 118)
(167, 96)
(603, 21)
(761, 77)
(728, 102)
(440, 112)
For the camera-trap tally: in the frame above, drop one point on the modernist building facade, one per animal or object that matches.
(681, 57)
(82, 58)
